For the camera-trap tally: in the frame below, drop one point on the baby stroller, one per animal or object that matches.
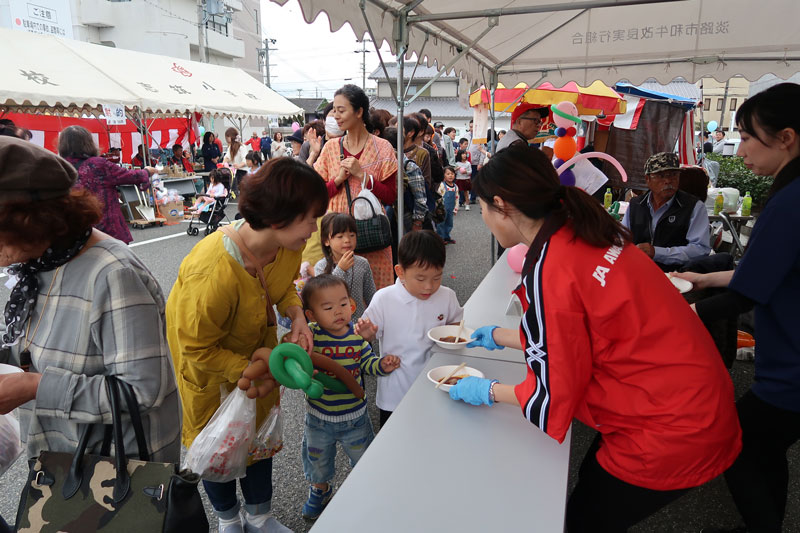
(212, 215)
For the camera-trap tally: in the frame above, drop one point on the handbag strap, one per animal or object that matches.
(236, 238)
(122, 480)
(136, 418)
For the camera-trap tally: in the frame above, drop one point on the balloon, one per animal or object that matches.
(202, 130)
(712, 125)
(567, 178)
(565, 114)
(565, 147)
(558, 162)
(571, 131)
(295, 126)
(588, 155)
(516, 257)
(560, 132)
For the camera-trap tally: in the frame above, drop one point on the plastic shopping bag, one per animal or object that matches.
(10, 447)
(370, 208)
(269, 437)
(219, 452)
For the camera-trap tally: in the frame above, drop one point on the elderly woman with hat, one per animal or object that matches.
(83, 307)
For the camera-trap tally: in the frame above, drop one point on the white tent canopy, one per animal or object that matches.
(73, 76)
(583, 41)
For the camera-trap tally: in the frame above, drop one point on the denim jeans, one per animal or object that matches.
(256, 488)
(443, 228)
(319, 444)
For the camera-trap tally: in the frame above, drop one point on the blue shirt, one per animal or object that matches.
(699, 238)
(769, 274)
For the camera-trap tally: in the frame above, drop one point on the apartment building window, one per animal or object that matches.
(733, 104)
(218, 23)
(707, 104)
(719, 104)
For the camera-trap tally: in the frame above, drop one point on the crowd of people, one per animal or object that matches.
(596, 305)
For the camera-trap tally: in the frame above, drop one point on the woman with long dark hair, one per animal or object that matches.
(607, 340)
(767, 279)
(359, 159)
(235, 156)
(210, 152)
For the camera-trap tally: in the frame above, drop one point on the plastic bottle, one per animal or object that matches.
(607, 198)
(718, 204)
(747, 204)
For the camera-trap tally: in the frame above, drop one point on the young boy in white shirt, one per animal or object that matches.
(401, 315)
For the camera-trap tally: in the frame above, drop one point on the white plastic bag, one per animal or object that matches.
(10, 447)
(219, 452)
(362, 209)
(269, 437)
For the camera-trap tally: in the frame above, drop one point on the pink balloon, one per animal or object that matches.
(516, 257)
(598, 155)
(295, 126)
(568, 108)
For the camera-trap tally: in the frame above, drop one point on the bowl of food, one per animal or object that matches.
(445, 336)
(682, 285)
(436, 374)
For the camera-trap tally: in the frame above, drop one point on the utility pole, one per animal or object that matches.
(299, 93)
(363, 53)
(263, 59)
(201, 31)
(724, 104)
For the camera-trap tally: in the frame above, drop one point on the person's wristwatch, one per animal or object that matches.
(491, 391)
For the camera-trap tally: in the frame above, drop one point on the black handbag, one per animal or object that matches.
(75, 493)
(374, 233)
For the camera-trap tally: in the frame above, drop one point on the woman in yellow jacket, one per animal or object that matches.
(219, 314)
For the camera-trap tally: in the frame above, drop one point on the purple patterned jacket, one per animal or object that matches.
(102, 177)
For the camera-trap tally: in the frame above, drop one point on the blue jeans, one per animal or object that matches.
(443, 228)
(319, 444)
(256, 488)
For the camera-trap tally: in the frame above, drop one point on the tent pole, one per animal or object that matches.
(401, 41)
(363, 6)
(492, 146)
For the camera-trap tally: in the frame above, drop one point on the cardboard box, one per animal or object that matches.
(172, 211)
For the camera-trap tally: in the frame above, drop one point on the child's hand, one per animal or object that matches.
(366, 329)
(346, 262)
(390, 363)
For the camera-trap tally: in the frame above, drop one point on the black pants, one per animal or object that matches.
(602, 502)
(759, 478)
(384, 416)
(237, 180)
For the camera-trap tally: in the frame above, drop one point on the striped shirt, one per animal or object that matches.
(104, 316)
(356, 355)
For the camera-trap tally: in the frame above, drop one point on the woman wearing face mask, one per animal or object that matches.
(360, 159)
(767, 279)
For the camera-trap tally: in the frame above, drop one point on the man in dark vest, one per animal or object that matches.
(669, 225)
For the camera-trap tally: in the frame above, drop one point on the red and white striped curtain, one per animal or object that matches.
(164, 132)
(686, 148)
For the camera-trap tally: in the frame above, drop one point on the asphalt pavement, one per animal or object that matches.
(162, 250)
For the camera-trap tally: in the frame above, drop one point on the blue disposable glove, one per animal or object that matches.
(484, 337)
(472, 390)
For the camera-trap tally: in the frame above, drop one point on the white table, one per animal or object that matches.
(445, 466)
(488, 306)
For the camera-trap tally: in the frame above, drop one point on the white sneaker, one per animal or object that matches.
(270, 526)
(466, 207)
(231, 526)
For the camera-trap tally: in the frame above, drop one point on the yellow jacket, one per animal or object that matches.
(216, 319)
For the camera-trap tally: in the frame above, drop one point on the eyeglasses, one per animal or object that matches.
(535, 119)
(666, 175)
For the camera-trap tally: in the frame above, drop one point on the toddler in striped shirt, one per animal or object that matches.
(336, 416)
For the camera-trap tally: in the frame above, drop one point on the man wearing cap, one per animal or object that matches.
(526, 121)
(669, 225)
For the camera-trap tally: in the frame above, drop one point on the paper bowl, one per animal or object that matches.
(9, 369)
(435, 374)
(449, 331)
(681, 284)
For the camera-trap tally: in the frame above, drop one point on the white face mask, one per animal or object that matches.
(332, 128)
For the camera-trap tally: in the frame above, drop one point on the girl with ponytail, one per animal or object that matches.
(599, 332)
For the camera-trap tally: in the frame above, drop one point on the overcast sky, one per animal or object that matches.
(311, 58)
